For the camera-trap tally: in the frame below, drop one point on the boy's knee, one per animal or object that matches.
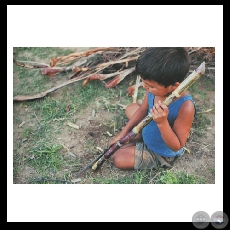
(117, 160)
(131, 109)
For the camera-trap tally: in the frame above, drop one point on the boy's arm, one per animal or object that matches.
(177, 136)
(136, 118)
(138, 115)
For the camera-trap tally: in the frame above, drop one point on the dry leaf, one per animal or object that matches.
(22, 124)
(206, 111)
(73, 125)
(109, 134)
(67, 108)
(76, 180)
(99, 149)
(71, 154)
(93, 113)
(187, 150)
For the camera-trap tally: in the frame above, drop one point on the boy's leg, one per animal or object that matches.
(131, 109)
(136, 156)
(124, 158)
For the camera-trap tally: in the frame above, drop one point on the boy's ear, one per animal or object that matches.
(175, 85)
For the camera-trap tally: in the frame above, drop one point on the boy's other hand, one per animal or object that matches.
(159, 112)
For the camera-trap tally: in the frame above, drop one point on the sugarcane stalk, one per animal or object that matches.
(113, 149)
(136, 89)
(137, 129)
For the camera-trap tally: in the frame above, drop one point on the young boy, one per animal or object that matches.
(161, 142)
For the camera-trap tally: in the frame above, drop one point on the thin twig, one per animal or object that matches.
(195, 50)
(37, 118)
(154, 177)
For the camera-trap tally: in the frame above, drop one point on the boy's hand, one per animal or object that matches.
(159, 112)
(115, 139)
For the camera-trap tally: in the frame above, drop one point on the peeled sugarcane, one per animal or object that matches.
(137, 129)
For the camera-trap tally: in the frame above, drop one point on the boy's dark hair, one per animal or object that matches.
(165, 65)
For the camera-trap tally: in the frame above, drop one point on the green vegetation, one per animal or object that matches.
(168, 177)
(151, 177)
(200, 123)
(45, 157)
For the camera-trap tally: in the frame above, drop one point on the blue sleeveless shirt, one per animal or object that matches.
(151, 134)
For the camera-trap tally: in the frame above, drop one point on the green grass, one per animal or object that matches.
(136, 178)
(200, 123)
(168, 177)
(151, 177)
(203, 82)
(48, 180)
(45, 157)
(39, 52)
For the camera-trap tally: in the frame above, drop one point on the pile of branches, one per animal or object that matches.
(94, 64)
(103, 63)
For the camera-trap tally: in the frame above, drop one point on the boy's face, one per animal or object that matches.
(157, 89)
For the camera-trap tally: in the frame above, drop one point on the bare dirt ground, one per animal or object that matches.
(199, 159)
